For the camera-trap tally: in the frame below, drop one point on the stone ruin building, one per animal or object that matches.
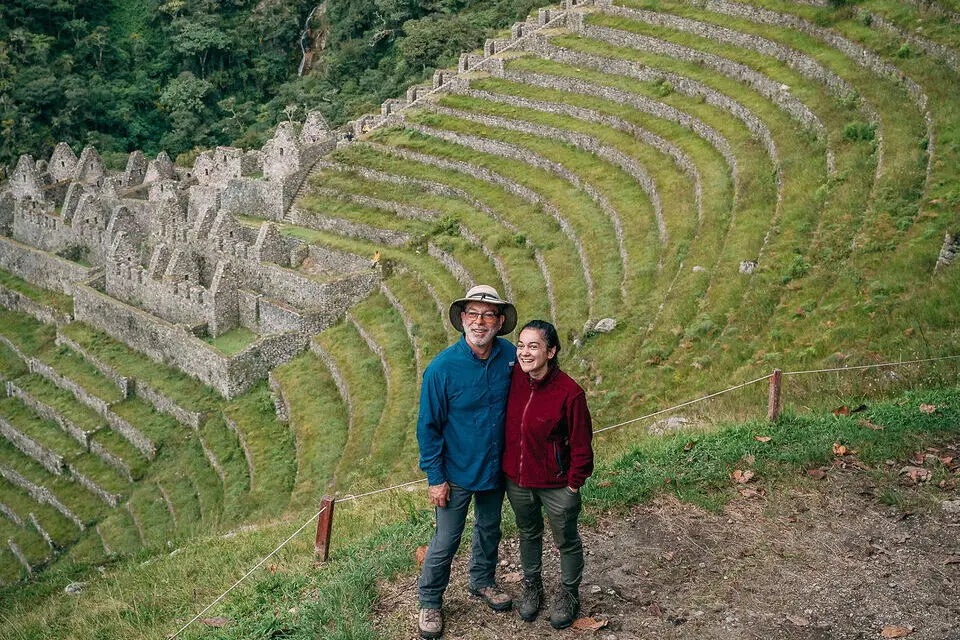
(161, 258)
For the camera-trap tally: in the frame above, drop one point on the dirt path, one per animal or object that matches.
(822, 560)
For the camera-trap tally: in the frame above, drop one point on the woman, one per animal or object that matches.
(547, 459)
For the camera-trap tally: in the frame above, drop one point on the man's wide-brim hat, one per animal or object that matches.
(484, 293)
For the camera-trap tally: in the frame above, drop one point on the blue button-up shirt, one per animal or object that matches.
(463, 403)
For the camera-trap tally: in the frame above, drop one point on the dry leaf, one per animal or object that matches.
(842, 411)
(589, 624)
(218, 621)
(669, 555)
(917, 457)
(799, 621)
(512, 577)
(654, 610)
(688, 446)
(839, 449)
(421, 554)
(895, 632)
(762, 438)
(928, 408)
(816, 474)
(863, 422)
(741, 477)
(752, 493)
(916, 474)
(605, 483)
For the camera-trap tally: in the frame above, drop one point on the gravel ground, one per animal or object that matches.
(862, 553)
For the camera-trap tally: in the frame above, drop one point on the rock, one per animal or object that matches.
(595, 588)
(699, 269)
(669, 425)
(606, 325)
(74, 588)
(747, 267)
(951, 506)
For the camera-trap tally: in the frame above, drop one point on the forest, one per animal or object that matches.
(183, 76)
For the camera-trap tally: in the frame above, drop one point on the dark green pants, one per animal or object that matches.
(563, 510)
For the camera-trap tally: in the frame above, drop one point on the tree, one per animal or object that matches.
(197, 36)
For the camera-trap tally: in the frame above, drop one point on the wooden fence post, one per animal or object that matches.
(775, 400)
(321, 548)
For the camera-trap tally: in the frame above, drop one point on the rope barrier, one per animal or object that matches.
(247, 574)
(685, 404)
(352, 498)
(870, 366)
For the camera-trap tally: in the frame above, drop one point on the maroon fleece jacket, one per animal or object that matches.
(548, 432)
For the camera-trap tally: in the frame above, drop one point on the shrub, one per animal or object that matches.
(859, 131)
(797, 268)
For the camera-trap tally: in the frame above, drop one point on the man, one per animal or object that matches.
(460, 431)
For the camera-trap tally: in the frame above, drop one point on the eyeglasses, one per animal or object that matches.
(486, 316)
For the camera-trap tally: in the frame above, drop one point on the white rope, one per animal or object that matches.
(869, 366)
(685, 404)
(372, 493)
(247, 574)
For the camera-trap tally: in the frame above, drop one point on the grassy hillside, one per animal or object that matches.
(741, 190)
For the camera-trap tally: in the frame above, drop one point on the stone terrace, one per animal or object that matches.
(183, 346)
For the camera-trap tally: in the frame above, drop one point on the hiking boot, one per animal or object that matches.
(431, 623)
(494, 596)
(566, 608)
(529, 603)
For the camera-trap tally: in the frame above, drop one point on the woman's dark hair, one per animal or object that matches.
(550, 337)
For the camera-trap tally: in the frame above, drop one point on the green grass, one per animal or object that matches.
(43, 432)
(519, 263)
(105, 476)
(193, 485)
(10, 569)
(120, 533)
(421, 232)
(11, 366)
(27, 334)
(85, 505)
(319, 420)
(31, 544)
(890, 212)
(394, 442)
(429, 326)
(367, 389)
(151, 510)
(234, 341)
(178, 386)
(272, 447)
(153, 424)
(118, 446)
(44, 297)
(535, 226)
(646, 278)
(62, 531)
(61, 401)
(225, 446)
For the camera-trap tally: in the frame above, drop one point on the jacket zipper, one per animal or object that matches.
(523, 422)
